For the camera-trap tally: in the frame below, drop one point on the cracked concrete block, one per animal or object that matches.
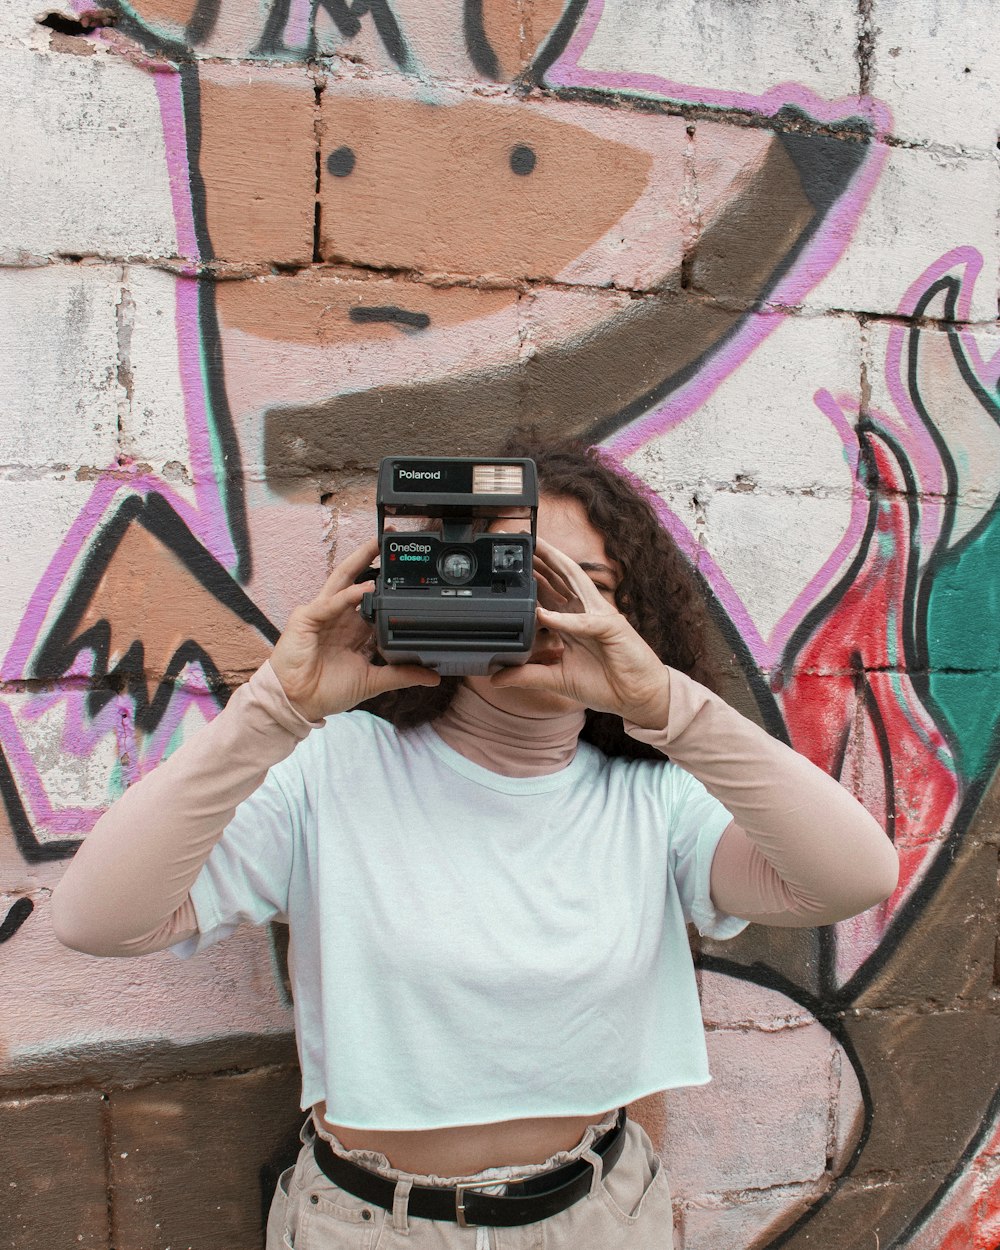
(909, 222)
(937, 67)
(159, 314)
(19, 25)
(773, 549)
(726, 48)
(77, 1013)
(258, 161)
(747, 1220)
(58, 367)
(53, 1190)
(736, 1005)
(773, 1087)
(193, 1163)
(775, 428)
(89, 161)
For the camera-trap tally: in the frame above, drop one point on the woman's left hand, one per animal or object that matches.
(602, 661)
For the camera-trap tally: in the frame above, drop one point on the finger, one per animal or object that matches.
(576, 624)
(558, 589)
(530, 677)
(398, 676)
(348, 569)
(329, 604)
(548, 596)
(570, 572)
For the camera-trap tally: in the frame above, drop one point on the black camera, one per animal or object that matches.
(457, 593)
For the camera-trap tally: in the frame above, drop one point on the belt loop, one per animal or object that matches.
(400, 1205)
(597, 1164)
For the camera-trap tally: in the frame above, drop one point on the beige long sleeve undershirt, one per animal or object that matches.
(801, 850)
(127, 891)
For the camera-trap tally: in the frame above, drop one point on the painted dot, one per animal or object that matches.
(522, 160)
(341, 162)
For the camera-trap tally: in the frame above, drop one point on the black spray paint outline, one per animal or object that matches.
(63, 641)
(17, 914)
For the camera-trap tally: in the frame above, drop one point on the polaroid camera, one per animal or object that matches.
(455, 591)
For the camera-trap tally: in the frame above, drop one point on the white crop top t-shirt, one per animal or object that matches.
(468, 947)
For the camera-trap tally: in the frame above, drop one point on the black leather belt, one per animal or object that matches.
(525, 1202)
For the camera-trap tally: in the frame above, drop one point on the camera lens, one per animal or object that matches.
(456, 566)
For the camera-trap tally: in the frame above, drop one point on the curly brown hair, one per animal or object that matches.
(657, 593)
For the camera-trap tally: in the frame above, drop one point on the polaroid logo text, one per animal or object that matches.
(420, 475)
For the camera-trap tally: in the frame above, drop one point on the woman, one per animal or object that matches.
(487, 912)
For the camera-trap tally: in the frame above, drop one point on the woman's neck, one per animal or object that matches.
(507, 743)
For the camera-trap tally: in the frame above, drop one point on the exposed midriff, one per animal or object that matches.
(466, 1149)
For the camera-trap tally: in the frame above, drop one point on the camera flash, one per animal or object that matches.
(497, 479)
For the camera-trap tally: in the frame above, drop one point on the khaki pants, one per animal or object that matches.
(630, 1208)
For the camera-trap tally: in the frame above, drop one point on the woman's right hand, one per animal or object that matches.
(324, 657)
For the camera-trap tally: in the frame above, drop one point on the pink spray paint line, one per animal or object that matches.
(298, 23)
(80, 739)
(964, 263)
(103, 503)
(818, 257)
(817, 260)
(767, 652)
(67, 821)
(567, 71)
(168, 92)
(212, 528)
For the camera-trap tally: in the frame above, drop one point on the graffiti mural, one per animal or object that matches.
(412, 225)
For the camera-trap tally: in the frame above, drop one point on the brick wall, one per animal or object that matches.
(245, 250)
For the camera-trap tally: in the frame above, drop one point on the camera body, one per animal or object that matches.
(457, 594)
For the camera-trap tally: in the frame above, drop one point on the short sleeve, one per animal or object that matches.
(697, 823)
(247, 875)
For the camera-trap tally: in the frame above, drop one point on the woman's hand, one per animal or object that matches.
(602, 661)
(323, 658)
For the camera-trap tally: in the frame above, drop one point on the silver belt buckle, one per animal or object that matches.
(460, 1189)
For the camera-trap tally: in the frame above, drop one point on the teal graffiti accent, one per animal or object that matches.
(117, 781)
(963, 647)
(176, 740)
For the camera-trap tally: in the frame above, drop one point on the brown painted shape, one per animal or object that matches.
(138, 1062)
(145, 593)
(735, 258)
(503, 25)
(313, 309)
(934, 1066)
(578, 386)
(53, 1174)
(517, 29)
(432, 188)
(540, 18)
(864, 1213)
(258, 162)
(187, 1158)
(568, 389)
(932, 1070)
(165, 12)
